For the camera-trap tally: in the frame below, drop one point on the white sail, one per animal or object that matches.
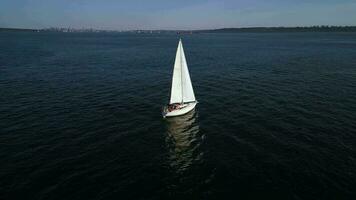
(176, 89)
(188, 93)
(182, 89)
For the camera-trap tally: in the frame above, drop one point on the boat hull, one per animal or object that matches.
(187, 108)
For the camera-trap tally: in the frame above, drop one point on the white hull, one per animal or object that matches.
(185, 109)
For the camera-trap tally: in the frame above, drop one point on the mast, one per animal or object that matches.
(181, 64)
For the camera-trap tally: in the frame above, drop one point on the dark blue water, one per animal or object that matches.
(80, 117)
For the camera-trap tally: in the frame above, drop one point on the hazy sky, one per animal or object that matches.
(174, 14)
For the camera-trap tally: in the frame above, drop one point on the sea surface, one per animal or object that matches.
(80, 116)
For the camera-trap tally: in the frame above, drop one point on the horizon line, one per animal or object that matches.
(198, 29)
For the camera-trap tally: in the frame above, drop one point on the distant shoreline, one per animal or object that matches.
(17, 29)
(283, 29)
(221, 30)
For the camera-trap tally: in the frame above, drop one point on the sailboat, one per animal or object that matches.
(182, 98)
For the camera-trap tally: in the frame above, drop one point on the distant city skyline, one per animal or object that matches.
(174, 14)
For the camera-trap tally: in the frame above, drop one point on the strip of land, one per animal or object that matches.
(283, 29)
(222, 30)
(17, 29)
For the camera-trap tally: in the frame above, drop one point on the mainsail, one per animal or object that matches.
(182, 89)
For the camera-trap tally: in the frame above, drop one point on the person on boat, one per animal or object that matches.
(172, 107)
